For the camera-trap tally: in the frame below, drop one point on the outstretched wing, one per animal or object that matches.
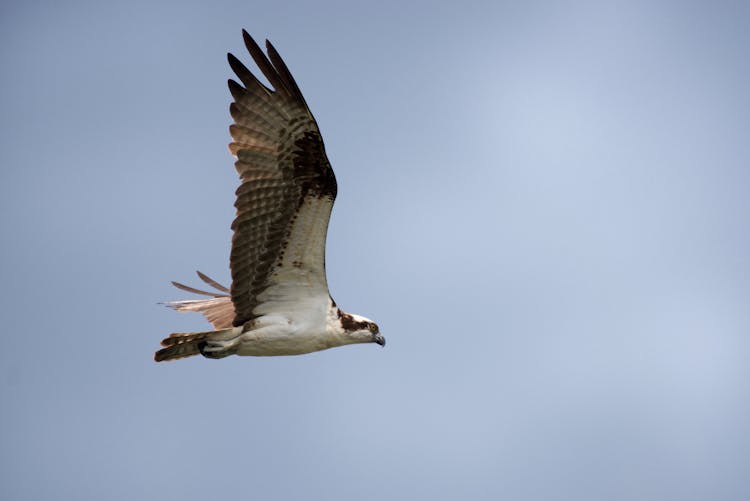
(286, 196)
(218, 309)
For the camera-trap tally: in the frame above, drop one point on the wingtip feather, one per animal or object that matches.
(210, 281)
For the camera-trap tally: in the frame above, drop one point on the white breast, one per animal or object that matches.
(303, 331)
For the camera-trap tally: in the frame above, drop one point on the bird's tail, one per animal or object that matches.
(186, 344)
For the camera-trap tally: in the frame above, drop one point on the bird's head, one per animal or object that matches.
(360, 329)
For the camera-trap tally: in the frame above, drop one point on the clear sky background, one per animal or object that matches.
(544, 205)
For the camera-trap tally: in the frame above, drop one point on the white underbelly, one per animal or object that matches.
(268, 342)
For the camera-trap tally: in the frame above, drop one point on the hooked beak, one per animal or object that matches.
(378, 338)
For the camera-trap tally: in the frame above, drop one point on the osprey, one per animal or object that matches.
(279, 302)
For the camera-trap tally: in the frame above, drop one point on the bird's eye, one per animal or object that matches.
(373, 328)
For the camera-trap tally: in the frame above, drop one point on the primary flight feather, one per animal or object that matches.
(278, 303)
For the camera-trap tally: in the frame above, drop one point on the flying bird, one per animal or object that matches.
(278, 303)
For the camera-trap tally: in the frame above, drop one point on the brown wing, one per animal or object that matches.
(287, 181)
(218, 310)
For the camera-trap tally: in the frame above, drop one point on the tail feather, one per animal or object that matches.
(186, 344)
(181, 345)
(218, 309)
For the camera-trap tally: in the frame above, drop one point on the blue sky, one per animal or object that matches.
(544, 205)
